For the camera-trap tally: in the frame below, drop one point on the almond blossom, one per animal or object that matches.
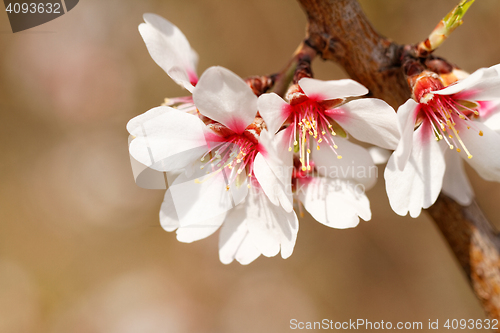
(317, 122)
(215, 170)
(439, 127)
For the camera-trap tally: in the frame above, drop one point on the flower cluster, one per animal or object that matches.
(243, 163)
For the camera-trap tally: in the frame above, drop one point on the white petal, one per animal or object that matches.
(325, 90)
(406, 124)
(170, 49)
(483, 84)
(223, 96)
(272, 187)
(200, 230)
(273, 168)
(146, 177)
(455, 182)
(493, 122)
(270, 227)
(335, 203)
(356, 163)
(379, 155)
(168, 216)
(274, 110)
(418, 185)
(167, 139)
(201, 197)
(370, 120)
(484, 149)
(234, 239)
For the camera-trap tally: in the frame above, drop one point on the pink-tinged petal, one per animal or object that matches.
(418, 185)
(489, 114)
(335, 203)
(455, 182)
(485, 149)
(202, 200)
(167, 139)
(234, 239)
(324, 90)
(223, 96)
(483, 84)
(379, 155)
(270, 227)
(274, 110)
(369, 120)
(170, 49)
(406, 123)
(356, 163)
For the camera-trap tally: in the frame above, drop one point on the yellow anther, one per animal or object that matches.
(295, 143)
(249, 186)
(339, 157)
(227, 187)
(308, 150)
(309, 168)
(320, 140)
(458, 150)
(469, 157)
(323, 132)
(317, 147)
(335, 146)
(481, 133)
(289, 148)
(451, 147)
(304, 168)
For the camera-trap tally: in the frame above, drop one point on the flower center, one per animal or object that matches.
(234, 155)
(310, 123)
(443, 112)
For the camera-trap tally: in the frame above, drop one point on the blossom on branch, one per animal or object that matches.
(438, 126)
(313, 124)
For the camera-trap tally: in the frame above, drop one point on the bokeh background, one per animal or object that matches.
(81, 248)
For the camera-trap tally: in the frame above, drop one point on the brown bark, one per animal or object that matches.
(340, 32)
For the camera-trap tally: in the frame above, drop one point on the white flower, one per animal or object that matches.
(170, 49)
(333, 191)
(317, 122)
(212, 168)
(461, 117)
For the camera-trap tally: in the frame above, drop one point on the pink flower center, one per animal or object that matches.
(309, 124)
(443, 111)
(233, 154)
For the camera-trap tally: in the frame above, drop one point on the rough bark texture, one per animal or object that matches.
(340, 32)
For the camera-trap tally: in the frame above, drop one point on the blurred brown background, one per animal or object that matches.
(81, 248)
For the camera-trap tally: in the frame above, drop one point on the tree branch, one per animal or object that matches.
(339, 31)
